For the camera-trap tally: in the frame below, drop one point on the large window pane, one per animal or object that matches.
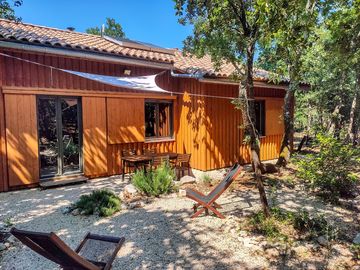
(150, 120)
(48, 140)
(260, 117)
(70, 135)
(158, 119)
(164, 120)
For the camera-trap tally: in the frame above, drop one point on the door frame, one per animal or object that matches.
(60, 135)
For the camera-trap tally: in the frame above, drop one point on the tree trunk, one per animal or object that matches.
(354, 115)
(246, 104)
(286, 149)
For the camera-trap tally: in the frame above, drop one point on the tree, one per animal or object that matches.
(112, 29)
(344, 26)
(283, 51)
(7, 10)
(228, 30)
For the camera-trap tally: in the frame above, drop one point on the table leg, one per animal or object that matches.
(123, 169)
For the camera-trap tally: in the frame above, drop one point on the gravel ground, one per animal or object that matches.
(159, 236)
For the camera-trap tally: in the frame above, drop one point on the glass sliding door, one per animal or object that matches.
(59, 125)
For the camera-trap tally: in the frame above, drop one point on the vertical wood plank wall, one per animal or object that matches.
(22, 140)
(208, 128)
(94, 136)
(3, 155)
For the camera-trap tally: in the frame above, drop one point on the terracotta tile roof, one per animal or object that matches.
(204, 65)
(52, 37)
(34, 34)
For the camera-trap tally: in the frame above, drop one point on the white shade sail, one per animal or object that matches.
(145, 83)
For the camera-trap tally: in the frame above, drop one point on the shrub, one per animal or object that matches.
(283, 224)
(313, 225)
(154, 183)
(330, 170)
(102, 202)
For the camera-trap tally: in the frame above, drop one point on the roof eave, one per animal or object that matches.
(89, 55)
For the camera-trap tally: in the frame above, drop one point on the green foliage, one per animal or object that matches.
(206, 179)
(154, 183)
(313, 225)
(330, 170)
(102, 202)
(112, 29)
(355, 249)
(8, 222)
(7, 9)
(282, 224)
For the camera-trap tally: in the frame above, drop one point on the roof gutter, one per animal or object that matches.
(261, 84)
(195, 75)
(84, 55)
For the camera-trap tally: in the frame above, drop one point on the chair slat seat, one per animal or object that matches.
(208, 201)
(95, 252)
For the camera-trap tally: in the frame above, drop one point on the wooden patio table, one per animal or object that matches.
(143, 160)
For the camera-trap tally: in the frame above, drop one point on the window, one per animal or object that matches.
(260, 117)
(158, 119)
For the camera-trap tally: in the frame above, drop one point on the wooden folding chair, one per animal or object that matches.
(95, 252)
(208, 201)
(182, 164)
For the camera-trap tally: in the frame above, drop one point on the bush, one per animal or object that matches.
(330, 170)
(283, 224)
(313, 225)
(154, 183)
(102, 202)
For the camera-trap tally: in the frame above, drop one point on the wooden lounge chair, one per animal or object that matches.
(208, 201)
(95, 252)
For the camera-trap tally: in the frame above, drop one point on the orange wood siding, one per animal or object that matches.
(210, 128)
(126, 120)
(94, 136)
(3, 163)
(22, 141)
(113, 118)
(274, 124)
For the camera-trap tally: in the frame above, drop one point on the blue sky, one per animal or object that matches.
(151, 21)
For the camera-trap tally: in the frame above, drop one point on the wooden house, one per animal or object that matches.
(55, 124)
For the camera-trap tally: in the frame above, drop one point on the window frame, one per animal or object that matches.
(157, 119)
(262, 113)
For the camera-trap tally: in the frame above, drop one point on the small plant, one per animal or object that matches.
(206, 179)
(154, 183)
(8, 222)
(314, 225)
(355, 249)
(102, 202)
(330, 170)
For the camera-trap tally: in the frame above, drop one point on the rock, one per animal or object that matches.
(7, 244)
(2, 247)
(273, 252)
(301, 251)
(82, 213)
(75, 212)
(131, 190)
(356, 240)
(138, 204)
(187, 179)
(66, 210)
(11, 240)
(182, 193)
(322, 241)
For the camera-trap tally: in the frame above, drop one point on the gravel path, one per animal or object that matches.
(159, 236)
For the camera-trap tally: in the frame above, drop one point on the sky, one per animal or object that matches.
(152, 21)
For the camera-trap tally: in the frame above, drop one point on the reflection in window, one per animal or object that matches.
(260, 117)
(158, 119)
